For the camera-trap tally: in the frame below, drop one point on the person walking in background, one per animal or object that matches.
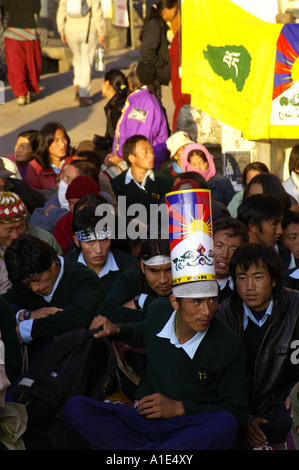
(82, 33)
(154, 43)
(22, 48)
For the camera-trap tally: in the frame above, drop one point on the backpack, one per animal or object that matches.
(77, 8)
(75, 363)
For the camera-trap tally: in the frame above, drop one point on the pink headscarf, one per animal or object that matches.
(207, 174)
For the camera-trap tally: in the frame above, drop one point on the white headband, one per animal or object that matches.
(157, 260)
(89, 235)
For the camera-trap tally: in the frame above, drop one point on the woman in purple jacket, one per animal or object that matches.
(142, 114)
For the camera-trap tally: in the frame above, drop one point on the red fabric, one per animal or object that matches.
(24, 65)
(42, 178)
(178, 97)
(63, 232)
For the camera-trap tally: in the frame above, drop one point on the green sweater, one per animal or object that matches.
(152, 194)
(128, 285)
(79, 293)
(215, 379)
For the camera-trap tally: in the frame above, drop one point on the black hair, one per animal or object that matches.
(92, 200)
(153, 87)
(86, 219)
(32, 136)
(234, 227)
(90, 156)
(258, 166)
(272, 186)
(28, 256)
(153, 247)
(155, 12)
(129, 146)
(86, 168)
(290, 217)
(46, 136)
(118, 81)
(294, 159)
(198, 152)
(259, 208)
(255, 254)
(194, 176)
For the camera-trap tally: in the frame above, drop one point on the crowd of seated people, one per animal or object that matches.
(76, 252)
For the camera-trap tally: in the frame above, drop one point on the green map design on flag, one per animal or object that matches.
(230, 63)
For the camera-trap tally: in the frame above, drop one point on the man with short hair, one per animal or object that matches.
(96, 249)
(52, 295)
(141, 183)
(193, 395)
(266, 316)
(290, 234)
(133, 291)
(262, 215)
(228, 234)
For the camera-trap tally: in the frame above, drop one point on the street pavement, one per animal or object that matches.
(56, 103)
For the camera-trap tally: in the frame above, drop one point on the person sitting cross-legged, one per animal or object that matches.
(193, 395)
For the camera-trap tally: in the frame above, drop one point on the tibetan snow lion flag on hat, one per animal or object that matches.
(240, 69)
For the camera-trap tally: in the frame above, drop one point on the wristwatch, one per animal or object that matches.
(26, 314)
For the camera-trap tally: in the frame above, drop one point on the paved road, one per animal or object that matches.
(56, 103)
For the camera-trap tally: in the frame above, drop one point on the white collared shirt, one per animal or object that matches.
(295, 274)
(129, 178)
(223, 283)
(110, 264)
(168, 332)
(292, 262)
(25, 326)
(249, 314)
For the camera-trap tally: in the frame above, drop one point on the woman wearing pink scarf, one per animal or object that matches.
(196, 157)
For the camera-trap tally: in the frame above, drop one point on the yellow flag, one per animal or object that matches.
(228, 63)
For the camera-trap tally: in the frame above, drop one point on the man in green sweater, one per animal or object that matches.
(193, 395)
(49, 295)
(140, 184)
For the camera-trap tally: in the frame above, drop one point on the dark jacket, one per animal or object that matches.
(221, 189)
(21, 12)
(113, 111)
(275, 375)
(154, 48)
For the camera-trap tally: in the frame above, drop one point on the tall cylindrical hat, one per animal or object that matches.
(191, 243)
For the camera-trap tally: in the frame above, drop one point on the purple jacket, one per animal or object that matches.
(143, 114)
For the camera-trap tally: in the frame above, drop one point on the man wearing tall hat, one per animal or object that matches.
(193, 395)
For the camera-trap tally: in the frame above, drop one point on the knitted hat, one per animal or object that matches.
(146, 72)
(176, 141)
(80, 186)
(12, 208)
